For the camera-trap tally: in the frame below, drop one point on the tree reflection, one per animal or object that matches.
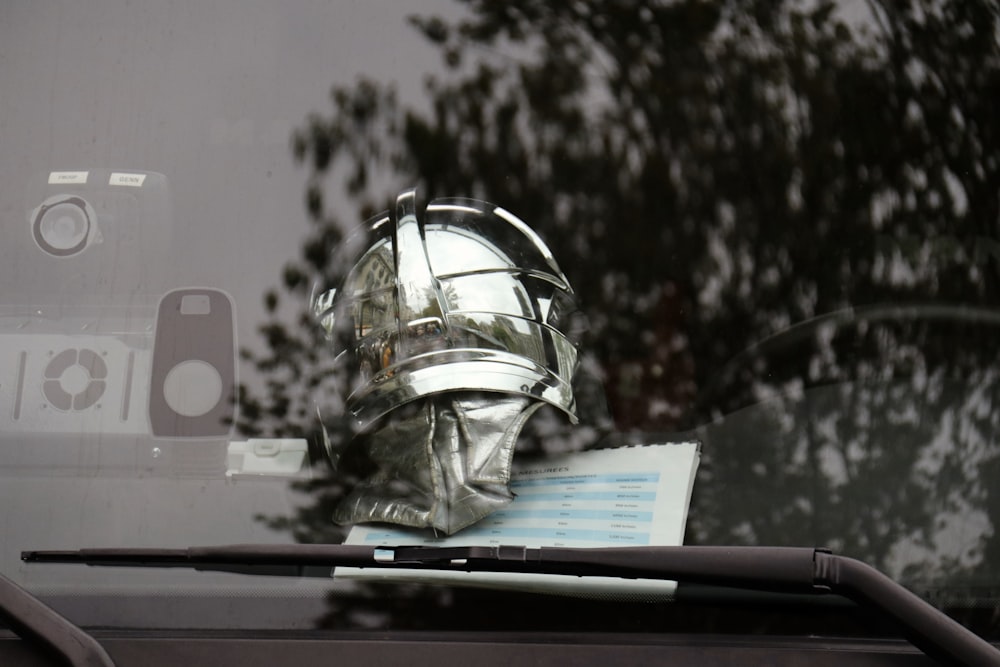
(708, 175)
(877, 456)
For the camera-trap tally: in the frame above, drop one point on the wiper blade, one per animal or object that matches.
(32, 619)
(773, 569)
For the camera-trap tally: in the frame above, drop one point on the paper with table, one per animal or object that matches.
(627, 496)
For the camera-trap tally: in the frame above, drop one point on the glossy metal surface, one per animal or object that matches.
(462, 314)
(445, 465)
(465, 297)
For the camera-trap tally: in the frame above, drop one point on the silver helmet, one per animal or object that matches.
(465, 297)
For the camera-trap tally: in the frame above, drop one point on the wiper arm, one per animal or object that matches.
(33, 619)
(773, 569)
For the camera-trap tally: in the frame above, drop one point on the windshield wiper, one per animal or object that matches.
(772, 569)
(32, 619)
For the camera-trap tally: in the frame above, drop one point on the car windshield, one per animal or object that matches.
(260, 263)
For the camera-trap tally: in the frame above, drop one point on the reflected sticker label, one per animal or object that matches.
(68, 177)
(131, 180)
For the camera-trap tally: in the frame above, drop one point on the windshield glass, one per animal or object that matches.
(260, 264)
